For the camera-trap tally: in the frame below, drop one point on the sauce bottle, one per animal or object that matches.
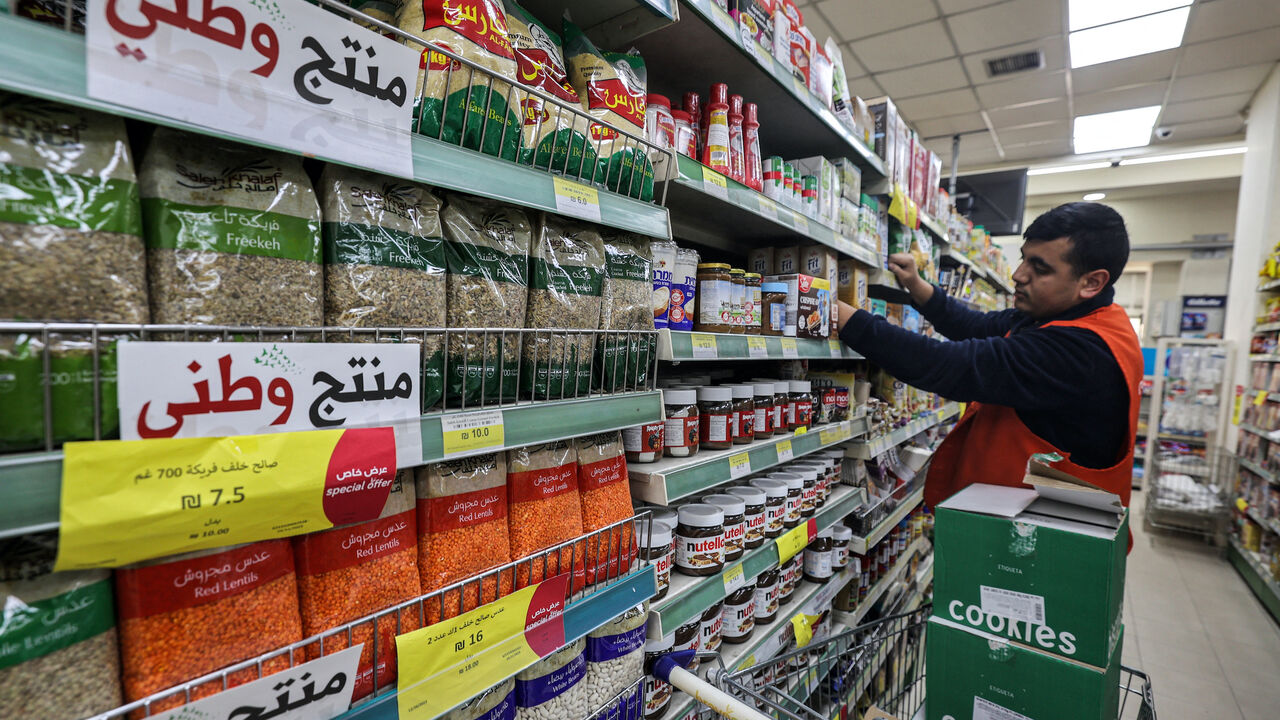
(716, 153)
(737, 158)
(753, 170)
(693, 106)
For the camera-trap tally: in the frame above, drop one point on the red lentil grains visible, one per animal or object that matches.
(545, 509)
(606, 499)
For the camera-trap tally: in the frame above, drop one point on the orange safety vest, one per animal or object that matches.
(991, 444)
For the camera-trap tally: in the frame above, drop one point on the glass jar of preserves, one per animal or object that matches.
(716, 413)
(800, 397)
(680, 436)
(656, 549)
(841, 536)
(744, 409)
(714, 298)
(762, 403)
(767, 596)
(643, 443)
(751, 310)
(709, 628)
(818, 563)
(782, 406)
(738, 319)
(738, 618)
(699, 540)
(773, 313)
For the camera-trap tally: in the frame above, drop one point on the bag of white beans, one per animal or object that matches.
(552, 688)
(615, 656)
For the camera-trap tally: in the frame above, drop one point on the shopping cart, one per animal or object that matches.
(1188, 488)
(879, 664)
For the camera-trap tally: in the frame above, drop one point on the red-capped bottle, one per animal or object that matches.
(716, 154)
(737, 157)
(693, 105)
(754, 167)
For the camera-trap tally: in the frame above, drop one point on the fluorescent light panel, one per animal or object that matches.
(1148, 159)
(1114, 130)
(1094, 197)
(1055, 169)
(1139, 36)
(1083, 14)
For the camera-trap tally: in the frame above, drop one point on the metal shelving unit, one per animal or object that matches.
(1256, 575)
(851, 619)
(871, 447)
(860, 545)
(679, 345)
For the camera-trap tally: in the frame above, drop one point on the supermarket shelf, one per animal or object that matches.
(793, 122)
(1269, 285)
(46, 62)
(1256, 575)
(950, 253)
(678, 345)
(1188, 439)
(580, 618)
(690, 596)
(744, 216)
(1269, 525)
(935, 228)
(31, 483)
(851, 619)
(1264, 358)
(860, 545)
(1266, 327)
(671, 479)
(1256, 431)
(1271, 396)
(1258, 470)
(867, 449)
(609, 23)
(924, 574)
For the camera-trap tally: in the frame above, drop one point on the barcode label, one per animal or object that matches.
(1012, 604)
(986, 710)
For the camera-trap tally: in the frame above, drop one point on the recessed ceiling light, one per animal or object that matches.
(1184, 156)
(1139, 36)
(1114, 130)
(1055, 169)
(1084, 14)
(1094, 197)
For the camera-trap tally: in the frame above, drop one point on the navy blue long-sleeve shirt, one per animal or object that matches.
(1063, 382)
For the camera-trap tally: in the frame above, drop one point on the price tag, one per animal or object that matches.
(471, 432)
(1241, 505)
(734, 579)
(789, 348)
(576, 199)
(1260, 398)
(803, 628)
(757, 347)
(800, 222)
(767, 207)
(723, 21)
(126, 501)
(442, 665)
(827, 437)
(793, 541)
(704, 345)
(836, 348)
(784, 451)
(739, 465)
(800, 431)
(713, 183)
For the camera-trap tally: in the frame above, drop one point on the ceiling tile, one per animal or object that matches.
(1035, 112)
(1222, 82)
(934, 77)
(1210, 20)
(1038, 150)
(950, 125)
(819, 27)
(1055, 58)
(933, 105)
(1129, 71)
(951, 7)
(1208, 109)
(1120, 99)
(1044, 132)
(865, 87)
(852, 68)
(1255, 47)
(1204, 129)
(1015, 21)
(1038, 86)
(908, 46)
(861, 18)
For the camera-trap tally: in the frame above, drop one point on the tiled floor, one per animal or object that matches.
(1191, 623)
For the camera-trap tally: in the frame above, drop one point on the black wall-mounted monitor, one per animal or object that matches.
(994, 200)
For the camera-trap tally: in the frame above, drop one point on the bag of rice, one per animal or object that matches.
(566, 269)
(384, 259)
(613, 90)
(487, 255)
(475, 107)
(624, 361)
(70, 224)
(553, 138)
(384, 10)
(71, 393)
(233, 234)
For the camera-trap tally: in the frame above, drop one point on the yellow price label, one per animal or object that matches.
(800, 222)
(793, 541)
(576, 199)
(800, 431)
(127, 501)
(704, 345)
(803, 626)
(836, 348)
(767, 207)
(1260, 399)
(756, 347)
(826, 437)
(443, 664)
(472, 432)
(734, 578)
(739, 465)
(785, 454)
(713, 183)
(1241, 505)
(789, 348)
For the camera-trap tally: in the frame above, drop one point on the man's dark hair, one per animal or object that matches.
(1099, 240)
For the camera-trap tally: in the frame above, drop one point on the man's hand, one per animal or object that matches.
(903, 266)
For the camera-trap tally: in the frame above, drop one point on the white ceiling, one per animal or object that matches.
(928, 55)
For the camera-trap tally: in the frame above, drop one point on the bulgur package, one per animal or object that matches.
(566, 271)
(553, 139)
(348, 572)
(487, 254)
(606, 499)
(545, 508)
(233, 234)
(613, 88)
(462, 529)
(58, 654)
(624, 360)
(472, 105)
(384, 259)
(229, 604)
(22, 425)
(70, 224)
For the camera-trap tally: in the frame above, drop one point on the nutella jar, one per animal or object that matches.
(788, 578)
(657, 694)
(738, 618)
(783, 408)
(716, 415)
(800, 398)
(841, 536)
(689, 637)
(767, 596)
(709, 628)
(795, 491)
(662, 514)
(818, 563)
(762, 401)
(680, 434)
(735, 522)
(754, 498)
(813, 473)
(836, 458)
(864, 569)
(656, 548)
(775, 505)
(699, 540)
(643, 443)
(745, 410)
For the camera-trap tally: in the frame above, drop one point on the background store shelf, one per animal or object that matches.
(610, 23)
(678, 345)
(671, 479)
(1264, 358)
(1255, 430)
(871, 447)
(46, 62)
(851, 619)
(1266, 327)
(860, 545)
(1269, 285)
(1256, 575)
(1258, 470)
(30, 483)
(1271, 526)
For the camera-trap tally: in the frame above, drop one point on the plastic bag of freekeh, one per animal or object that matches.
(613, 90)
(478, 111)
(624, 359)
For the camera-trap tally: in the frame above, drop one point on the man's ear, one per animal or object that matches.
(1093, 282)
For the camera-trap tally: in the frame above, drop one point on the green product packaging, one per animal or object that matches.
(1043, 567)
(22, 424)
(979, 676)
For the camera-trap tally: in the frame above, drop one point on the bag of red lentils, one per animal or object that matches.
(356, 570)
(545, 509)
(606, 499)
(462, 531)
(187, 615)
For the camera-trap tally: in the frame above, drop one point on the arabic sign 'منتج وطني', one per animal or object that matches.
(124, 501)
(192, 389)
(284, 73)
